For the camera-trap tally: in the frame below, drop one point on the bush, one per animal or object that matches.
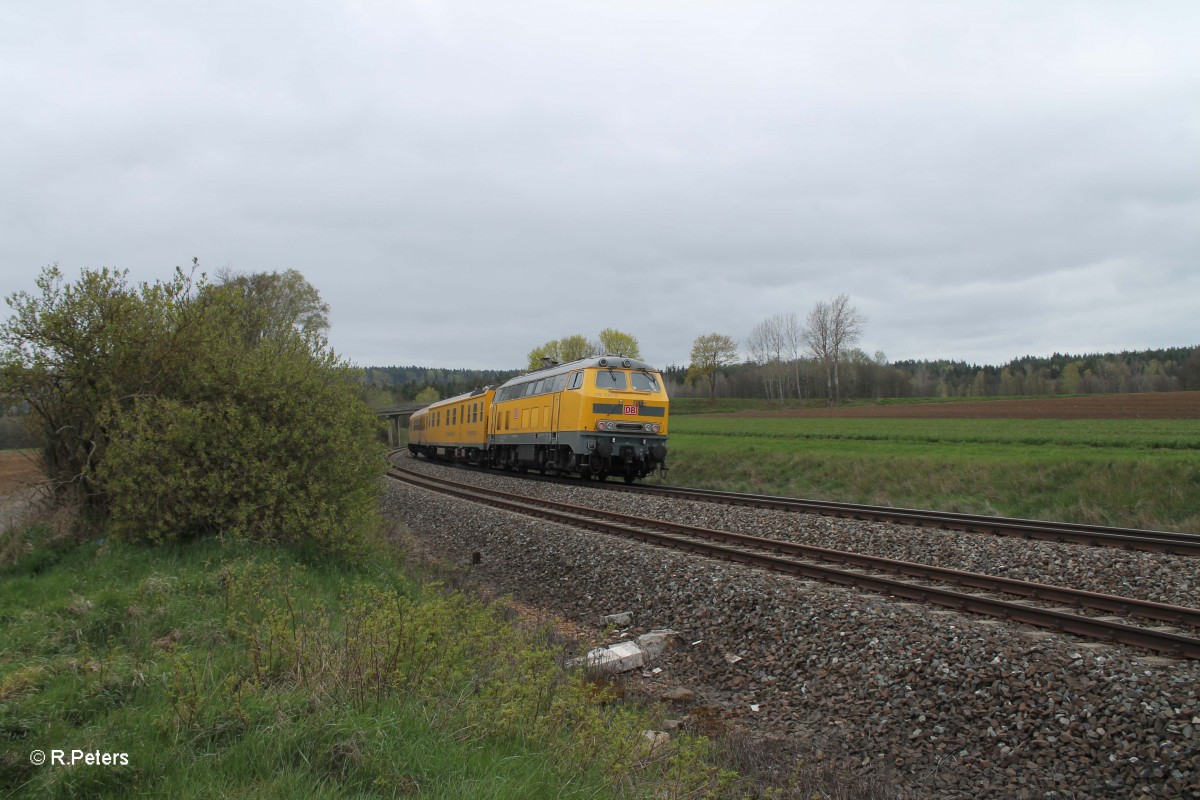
(167, 414)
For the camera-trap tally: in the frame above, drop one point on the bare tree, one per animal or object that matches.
(793, 339)
(831, 328)
(767, 344)
(759, 349)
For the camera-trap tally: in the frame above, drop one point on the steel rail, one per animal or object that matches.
(1169, 542)
(646, 530)
(1100, 535)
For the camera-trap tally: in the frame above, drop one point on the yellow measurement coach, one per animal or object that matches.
(595, 417)
(455, 428)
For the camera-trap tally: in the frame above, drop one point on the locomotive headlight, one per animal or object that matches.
(649, 427)
(600, 425)
(655, 428)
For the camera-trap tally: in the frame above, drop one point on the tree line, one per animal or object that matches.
(817, 358)
(864, 376)
(788, 353)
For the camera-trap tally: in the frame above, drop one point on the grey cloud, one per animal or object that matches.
(464, 182)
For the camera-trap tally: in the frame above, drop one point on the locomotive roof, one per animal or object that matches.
(455, 399)
(592, 362)
(613, 362)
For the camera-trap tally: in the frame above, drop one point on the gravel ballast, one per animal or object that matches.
(947, 705)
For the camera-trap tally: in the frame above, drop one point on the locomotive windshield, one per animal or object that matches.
(644, 381)
(614, 379)
(610, 379)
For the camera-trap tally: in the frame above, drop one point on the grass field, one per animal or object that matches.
(1128, 472)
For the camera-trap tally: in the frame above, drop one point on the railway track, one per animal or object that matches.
(1089, 614)
(1169, 542)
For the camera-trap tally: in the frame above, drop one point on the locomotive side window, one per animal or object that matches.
(643, 381)
(559, 383)
(610, 379)
(576, 380)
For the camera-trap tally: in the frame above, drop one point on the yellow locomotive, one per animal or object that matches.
(594, 417)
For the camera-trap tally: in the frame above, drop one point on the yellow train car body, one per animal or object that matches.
(456, 427)
(595, 417)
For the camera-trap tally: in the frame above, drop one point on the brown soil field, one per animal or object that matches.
(1156, 405)
(18, 470)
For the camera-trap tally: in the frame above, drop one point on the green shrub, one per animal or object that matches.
(174, 410)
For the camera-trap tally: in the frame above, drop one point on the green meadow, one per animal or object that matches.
(1136, 473)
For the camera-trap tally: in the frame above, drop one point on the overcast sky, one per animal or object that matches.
(463, 181)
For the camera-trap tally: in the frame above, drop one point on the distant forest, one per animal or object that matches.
(862, 378)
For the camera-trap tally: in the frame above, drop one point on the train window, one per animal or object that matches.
(644, 381)
(610, 379)
(559, 382)
(576, 380)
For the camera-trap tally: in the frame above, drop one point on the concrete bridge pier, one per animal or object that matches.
(395, 419)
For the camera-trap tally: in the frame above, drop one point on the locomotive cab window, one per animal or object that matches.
(576, 380)
(610, 379)
(644, 382)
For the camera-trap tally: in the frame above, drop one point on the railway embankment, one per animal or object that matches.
(933, 703)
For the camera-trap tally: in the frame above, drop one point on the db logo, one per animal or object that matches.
(631, 409)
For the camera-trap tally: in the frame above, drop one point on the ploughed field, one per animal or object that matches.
(1149, 405)
(18, 469)
(1124, 460)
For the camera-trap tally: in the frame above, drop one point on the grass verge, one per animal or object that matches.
(239, 670)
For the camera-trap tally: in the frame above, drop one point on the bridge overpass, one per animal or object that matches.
(396, 416)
